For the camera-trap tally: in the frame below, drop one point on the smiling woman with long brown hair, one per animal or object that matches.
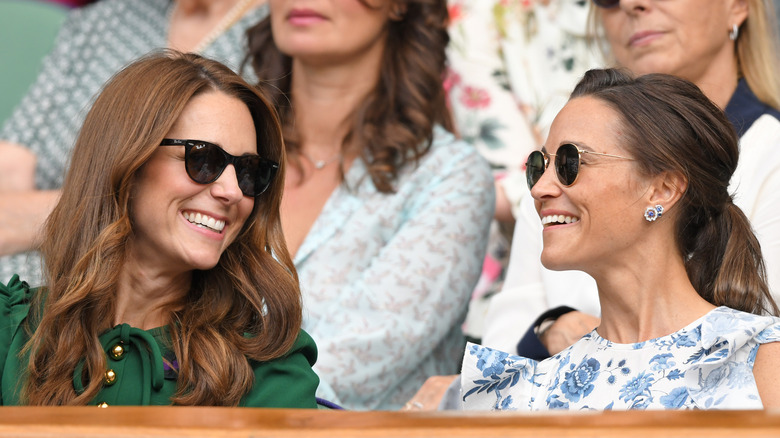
(167, 276)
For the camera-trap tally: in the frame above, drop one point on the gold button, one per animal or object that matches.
(110, 377)
(102, 405)
(117, 351)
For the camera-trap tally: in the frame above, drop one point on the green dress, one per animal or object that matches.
(138, 375)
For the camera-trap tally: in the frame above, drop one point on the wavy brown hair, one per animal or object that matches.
(671, 126)
(394, 124)
(247, 307)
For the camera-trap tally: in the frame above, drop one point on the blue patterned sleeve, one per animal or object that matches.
(495, 380)
(399, 323)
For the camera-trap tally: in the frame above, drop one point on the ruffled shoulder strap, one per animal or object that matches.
(721, 373)
(14, 305)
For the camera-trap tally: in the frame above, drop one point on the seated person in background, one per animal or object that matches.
(385, 212)
(512, 66)
(167, 276)
(632, 188)
(730, 53)
(94, 43)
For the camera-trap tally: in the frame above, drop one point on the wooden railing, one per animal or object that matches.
(118, 421)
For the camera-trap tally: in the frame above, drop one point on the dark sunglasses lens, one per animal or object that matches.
(205, 162)
(606, 4)
(254, 175)
(534, 168)
(567, 164)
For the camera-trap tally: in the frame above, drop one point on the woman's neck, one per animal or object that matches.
(326, 96)
(647, 295)
(719, 79)
(146, 294)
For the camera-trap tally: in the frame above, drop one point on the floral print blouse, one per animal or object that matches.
(706, 365)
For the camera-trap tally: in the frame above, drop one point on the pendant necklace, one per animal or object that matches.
(319, 164)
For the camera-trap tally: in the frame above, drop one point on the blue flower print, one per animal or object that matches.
(661, 362)
(554, 403)
(578, 382)
(490, 361)
(722, 323)
(688, 339)
(675, 374)
(506, 403)
(740, 376)
(638, 386)
(675, 399)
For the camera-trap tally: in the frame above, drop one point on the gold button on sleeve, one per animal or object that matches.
(110, 377)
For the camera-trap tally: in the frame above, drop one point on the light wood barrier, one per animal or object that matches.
(118, 421)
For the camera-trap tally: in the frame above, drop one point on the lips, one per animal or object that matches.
(644, 37)
(304, 16)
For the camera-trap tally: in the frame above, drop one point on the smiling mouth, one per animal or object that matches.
(558, 219)
(205, 221)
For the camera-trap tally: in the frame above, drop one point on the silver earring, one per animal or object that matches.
(653, 213)
(734, 32)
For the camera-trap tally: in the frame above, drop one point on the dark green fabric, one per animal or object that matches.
(287, 382)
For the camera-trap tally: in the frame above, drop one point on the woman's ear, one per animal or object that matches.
(738, 12)
(666, 189)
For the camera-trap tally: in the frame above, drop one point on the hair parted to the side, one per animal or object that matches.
(248, 307)
(394, 125)
(671, 126)
(757, 48)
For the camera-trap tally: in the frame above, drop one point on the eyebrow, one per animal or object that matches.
(580, 145)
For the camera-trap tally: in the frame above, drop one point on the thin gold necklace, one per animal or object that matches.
(228, 20)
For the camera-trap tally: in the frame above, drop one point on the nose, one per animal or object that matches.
(633, 6)
(548, 186)
(226, 188)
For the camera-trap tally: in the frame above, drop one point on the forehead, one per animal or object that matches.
(588, 122)
(218, 118)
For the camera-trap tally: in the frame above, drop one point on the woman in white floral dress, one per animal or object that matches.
(632, 188)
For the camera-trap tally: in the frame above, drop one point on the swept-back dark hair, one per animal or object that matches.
(394, 124)
(247, 307)
(671, 126)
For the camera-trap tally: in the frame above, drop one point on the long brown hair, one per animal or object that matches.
(671, 126)
(247, 307)
(395, 122)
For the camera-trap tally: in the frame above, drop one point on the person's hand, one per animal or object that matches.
(22, 215)
(17, 168)
(430, 394)
(567, 330)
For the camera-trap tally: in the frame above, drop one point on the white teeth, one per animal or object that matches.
(559, 219)
(205, 221)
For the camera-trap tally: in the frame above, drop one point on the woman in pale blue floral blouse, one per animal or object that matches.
(631, 188)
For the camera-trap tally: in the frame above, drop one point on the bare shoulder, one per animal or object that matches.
(766, 375)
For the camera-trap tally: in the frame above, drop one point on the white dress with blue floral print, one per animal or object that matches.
(706, 365)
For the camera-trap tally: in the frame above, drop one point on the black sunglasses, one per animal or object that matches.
(567, 164)
(606, 4)
(206, 161)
